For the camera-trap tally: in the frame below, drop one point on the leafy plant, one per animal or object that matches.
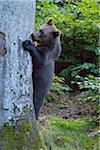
(59, 85)
(91, 85)
(78, 22)
(74, 70)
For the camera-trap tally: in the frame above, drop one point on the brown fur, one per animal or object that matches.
(49, 31)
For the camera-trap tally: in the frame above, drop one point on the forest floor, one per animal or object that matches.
(69, 123)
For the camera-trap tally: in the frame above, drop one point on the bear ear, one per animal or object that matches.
(56, 33)
(50, 21)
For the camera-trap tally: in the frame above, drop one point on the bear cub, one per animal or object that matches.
(44, 50)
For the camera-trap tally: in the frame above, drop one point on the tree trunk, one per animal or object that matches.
(17, 117)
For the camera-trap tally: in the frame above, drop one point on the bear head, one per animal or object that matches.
(46, 35)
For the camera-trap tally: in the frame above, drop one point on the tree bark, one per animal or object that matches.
(16, 23)
(16, 105)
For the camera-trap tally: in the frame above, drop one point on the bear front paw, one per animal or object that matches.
(26, 44)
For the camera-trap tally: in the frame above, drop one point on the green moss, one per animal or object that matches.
(24, 136)
(69, 134)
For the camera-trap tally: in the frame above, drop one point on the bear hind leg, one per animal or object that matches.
(38, 102)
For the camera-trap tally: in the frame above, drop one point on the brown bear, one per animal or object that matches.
(44, 50)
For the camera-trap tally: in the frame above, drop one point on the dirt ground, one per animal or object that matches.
(67, 107)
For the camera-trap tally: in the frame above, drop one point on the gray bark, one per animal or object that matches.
(16, 24)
